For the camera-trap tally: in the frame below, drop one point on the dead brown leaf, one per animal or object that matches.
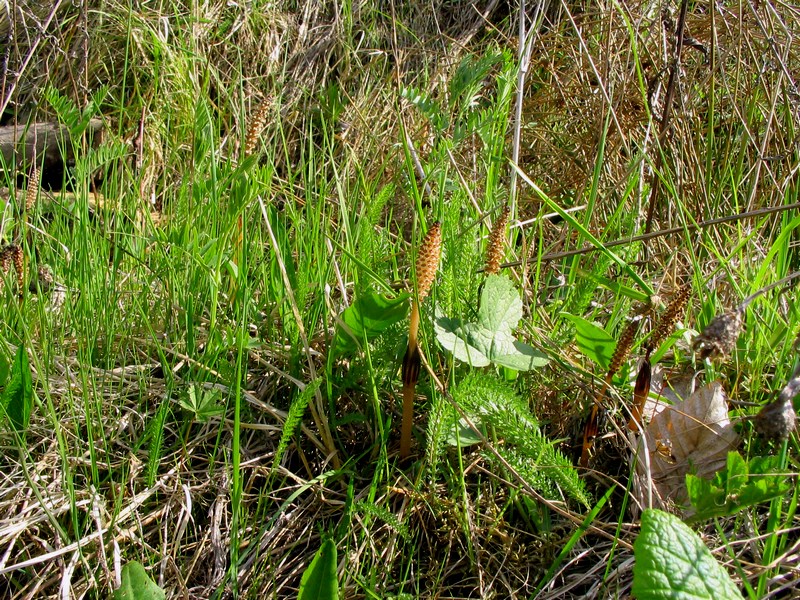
(691, 436)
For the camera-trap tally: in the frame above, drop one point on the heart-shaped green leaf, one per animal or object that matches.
(491, 339)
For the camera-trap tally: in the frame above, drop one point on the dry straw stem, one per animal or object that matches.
(430, 252)
(494, 253)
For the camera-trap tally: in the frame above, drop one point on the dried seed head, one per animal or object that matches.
(257, 122)
(33, 189)
(494, 252)
(19, 265)
(430, 252)
(623, 346)
(44, 280)
(673, 312)
(718, 339)
(777, 420)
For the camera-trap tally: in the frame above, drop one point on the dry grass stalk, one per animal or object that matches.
(494, 253)
(673, 312)
(430, 252)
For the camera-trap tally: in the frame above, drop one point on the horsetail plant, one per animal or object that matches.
(427, 264)
(494, 253)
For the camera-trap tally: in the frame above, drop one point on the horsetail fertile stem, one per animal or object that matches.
(427, 263)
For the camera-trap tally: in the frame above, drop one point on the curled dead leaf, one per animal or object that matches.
(693, 435)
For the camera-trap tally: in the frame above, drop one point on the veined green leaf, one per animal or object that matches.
(491, 339)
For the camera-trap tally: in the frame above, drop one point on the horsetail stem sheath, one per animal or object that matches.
(620, 354)
(427, 263)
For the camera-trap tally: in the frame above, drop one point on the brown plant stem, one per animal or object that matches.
(411, 368)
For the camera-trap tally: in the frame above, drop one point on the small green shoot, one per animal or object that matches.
(673, 563)
(491, 340)
(741, 484)
(202, 404)
(319, 581)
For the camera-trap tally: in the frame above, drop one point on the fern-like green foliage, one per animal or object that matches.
(371, 248)
(293, 419)
(69, 114)
(503, 415)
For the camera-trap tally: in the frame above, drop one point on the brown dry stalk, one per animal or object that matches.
(494, 253)
(589, 434)
(427, 264)
(256, 126)
(666, 324)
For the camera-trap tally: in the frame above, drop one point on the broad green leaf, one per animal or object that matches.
(673, 563)
(366, 318)
(593, 341)
(491, 339)
(137, 585)
(740, 485)
(17, 398)
(319, 581)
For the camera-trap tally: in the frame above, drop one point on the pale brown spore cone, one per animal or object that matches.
(494, 253)
(430, 252)
(718, 339)
(12, 254)
(674, 311)
(257, 123)
(623, 347)
(33, 189)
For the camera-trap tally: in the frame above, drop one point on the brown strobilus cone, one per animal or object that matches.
(427, 264)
